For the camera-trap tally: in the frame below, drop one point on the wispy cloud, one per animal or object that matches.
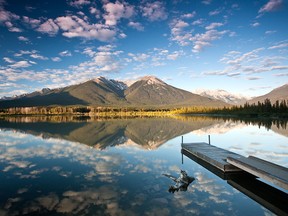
(271, 5)
(56, 59)
(252, 62)
(215, 12)
(79, 3)
(38, 56)
(21, 64)
(213, 25)
(136, 25)
(8, 60)
(65, 53)
(279, 46)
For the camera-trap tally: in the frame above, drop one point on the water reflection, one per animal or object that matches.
(59, 176)
(147, 133)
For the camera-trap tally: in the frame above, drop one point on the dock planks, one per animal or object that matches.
(276, 174)
(212, 155)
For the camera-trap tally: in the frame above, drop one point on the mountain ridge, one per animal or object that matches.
(280, 93)
(147, 91)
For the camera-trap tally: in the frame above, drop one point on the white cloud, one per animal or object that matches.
(279, 67)
(8, 60)
(74, 26)
(79, 3)
(66, 23)
(33, 23)
(215, 12)
(280, 46)
(56, 59)
(106, 48)
(272, 5)
(154, 11)
(255, 24)
(270, 32)
(49, 27)
(198, 22)
(116, 11)
(252, 62)
(174, 55)
(213, 25)
(140, 57)
(207, 2)
(22, 38)
(246, 57)
(189, 15)
(178, 32)
(20, 64)
(7, 18)
(25, 52)
(205, 39)
(136, 25)
(65, 53)
(37, 56)
(95, 11)
(89, 51)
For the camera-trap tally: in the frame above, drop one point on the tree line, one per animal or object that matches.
(265, 108)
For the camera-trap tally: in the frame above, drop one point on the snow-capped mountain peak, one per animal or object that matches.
(223, 95)
(117, 84)
(152, 80)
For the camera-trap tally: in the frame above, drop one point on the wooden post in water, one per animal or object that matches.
(209, 140)
(182, 140)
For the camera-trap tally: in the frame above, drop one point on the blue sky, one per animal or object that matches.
(237, 46)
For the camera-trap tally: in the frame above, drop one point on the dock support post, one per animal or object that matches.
(182, 140)
(209, 140)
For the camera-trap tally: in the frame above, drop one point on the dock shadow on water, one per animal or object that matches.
(62, 166)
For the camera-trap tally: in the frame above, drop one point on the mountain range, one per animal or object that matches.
(149, 91)
(223, 95)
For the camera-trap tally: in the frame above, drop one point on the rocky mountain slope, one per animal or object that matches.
(147, 91)
(280, 94)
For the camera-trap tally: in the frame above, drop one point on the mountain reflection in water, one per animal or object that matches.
(148, 133)
(46, 170)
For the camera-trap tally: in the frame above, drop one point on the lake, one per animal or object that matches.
(73, 166)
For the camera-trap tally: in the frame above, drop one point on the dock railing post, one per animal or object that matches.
(209, 140)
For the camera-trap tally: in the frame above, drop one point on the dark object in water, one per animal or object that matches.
(181, 183)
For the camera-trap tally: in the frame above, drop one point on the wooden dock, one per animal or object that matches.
(274, 173)
(242, 173)
(213, 155)
(229, 162)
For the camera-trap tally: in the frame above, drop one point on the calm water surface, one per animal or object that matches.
(114, 167)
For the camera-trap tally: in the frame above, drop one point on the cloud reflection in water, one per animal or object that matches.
(55, 175)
